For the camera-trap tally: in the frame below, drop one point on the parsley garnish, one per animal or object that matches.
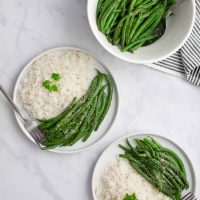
(46, 84)
(54, 88)
(55, 76)
(50, 85)
(130, 197)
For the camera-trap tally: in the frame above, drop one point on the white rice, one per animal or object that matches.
(76, 69)
(120, 178)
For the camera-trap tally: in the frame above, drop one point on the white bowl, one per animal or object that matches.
(177, 32)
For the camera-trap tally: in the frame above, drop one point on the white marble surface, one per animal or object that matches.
(150, 100)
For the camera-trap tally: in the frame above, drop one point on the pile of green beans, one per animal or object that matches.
(81, 117)
(160, 166)
(131, 24)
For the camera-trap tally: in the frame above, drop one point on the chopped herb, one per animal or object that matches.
(130, 197)
(50, 85)
(56, 76)
(46, 84)
(54, 88)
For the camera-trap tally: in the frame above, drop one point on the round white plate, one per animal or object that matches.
(113, 150)
(96, 136)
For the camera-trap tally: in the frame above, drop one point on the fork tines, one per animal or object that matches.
(189, 196)
(37, 136)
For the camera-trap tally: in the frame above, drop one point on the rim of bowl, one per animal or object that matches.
(150, 60)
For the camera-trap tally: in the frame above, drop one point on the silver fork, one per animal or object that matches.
(189, 196)
(29, 124)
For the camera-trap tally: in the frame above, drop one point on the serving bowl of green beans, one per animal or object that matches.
(139, 31)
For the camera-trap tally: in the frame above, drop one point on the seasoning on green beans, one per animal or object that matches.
(81, 117)
(160, 166)
(131, 24)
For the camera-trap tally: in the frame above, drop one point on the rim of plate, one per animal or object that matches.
(150, 60)
(136, 134)
(102, 64)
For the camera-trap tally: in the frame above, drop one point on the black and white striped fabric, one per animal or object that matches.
(187, 59)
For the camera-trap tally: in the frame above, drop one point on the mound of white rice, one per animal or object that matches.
(120, 178)
(76, 70)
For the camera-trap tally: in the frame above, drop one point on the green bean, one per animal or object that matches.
(124, 8)
(149, 5)
(138, 43)
(124, 30)
(150, 142)
(111, 20)
(175, 157)
(108, 27)
(92, 121)
(129, 145)
(126, 149)
(103, 103)
(178, 179)
(98, 111)
(132, 21)
(170, 178)
(83, 128)
(105, 7)
(107, 13)
(178, 195)
(91, 127)
(169, 187)
(108, 100)
(168, 159)
(138, 2)
(99, 6)
(116, 37)
(79, 135)
(109, 38)
(158, 145)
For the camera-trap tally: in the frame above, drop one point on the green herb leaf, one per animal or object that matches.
(56, 76)
(50, 86)
(130, 197)
(46, 84)
(54, 88)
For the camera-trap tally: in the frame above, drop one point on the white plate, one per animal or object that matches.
(113, 150)
(96, 136)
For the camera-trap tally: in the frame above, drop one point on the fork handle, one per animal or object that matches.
(12, 102)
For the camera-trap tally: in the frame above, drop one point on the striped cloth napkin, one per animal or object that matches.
(187, 59)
